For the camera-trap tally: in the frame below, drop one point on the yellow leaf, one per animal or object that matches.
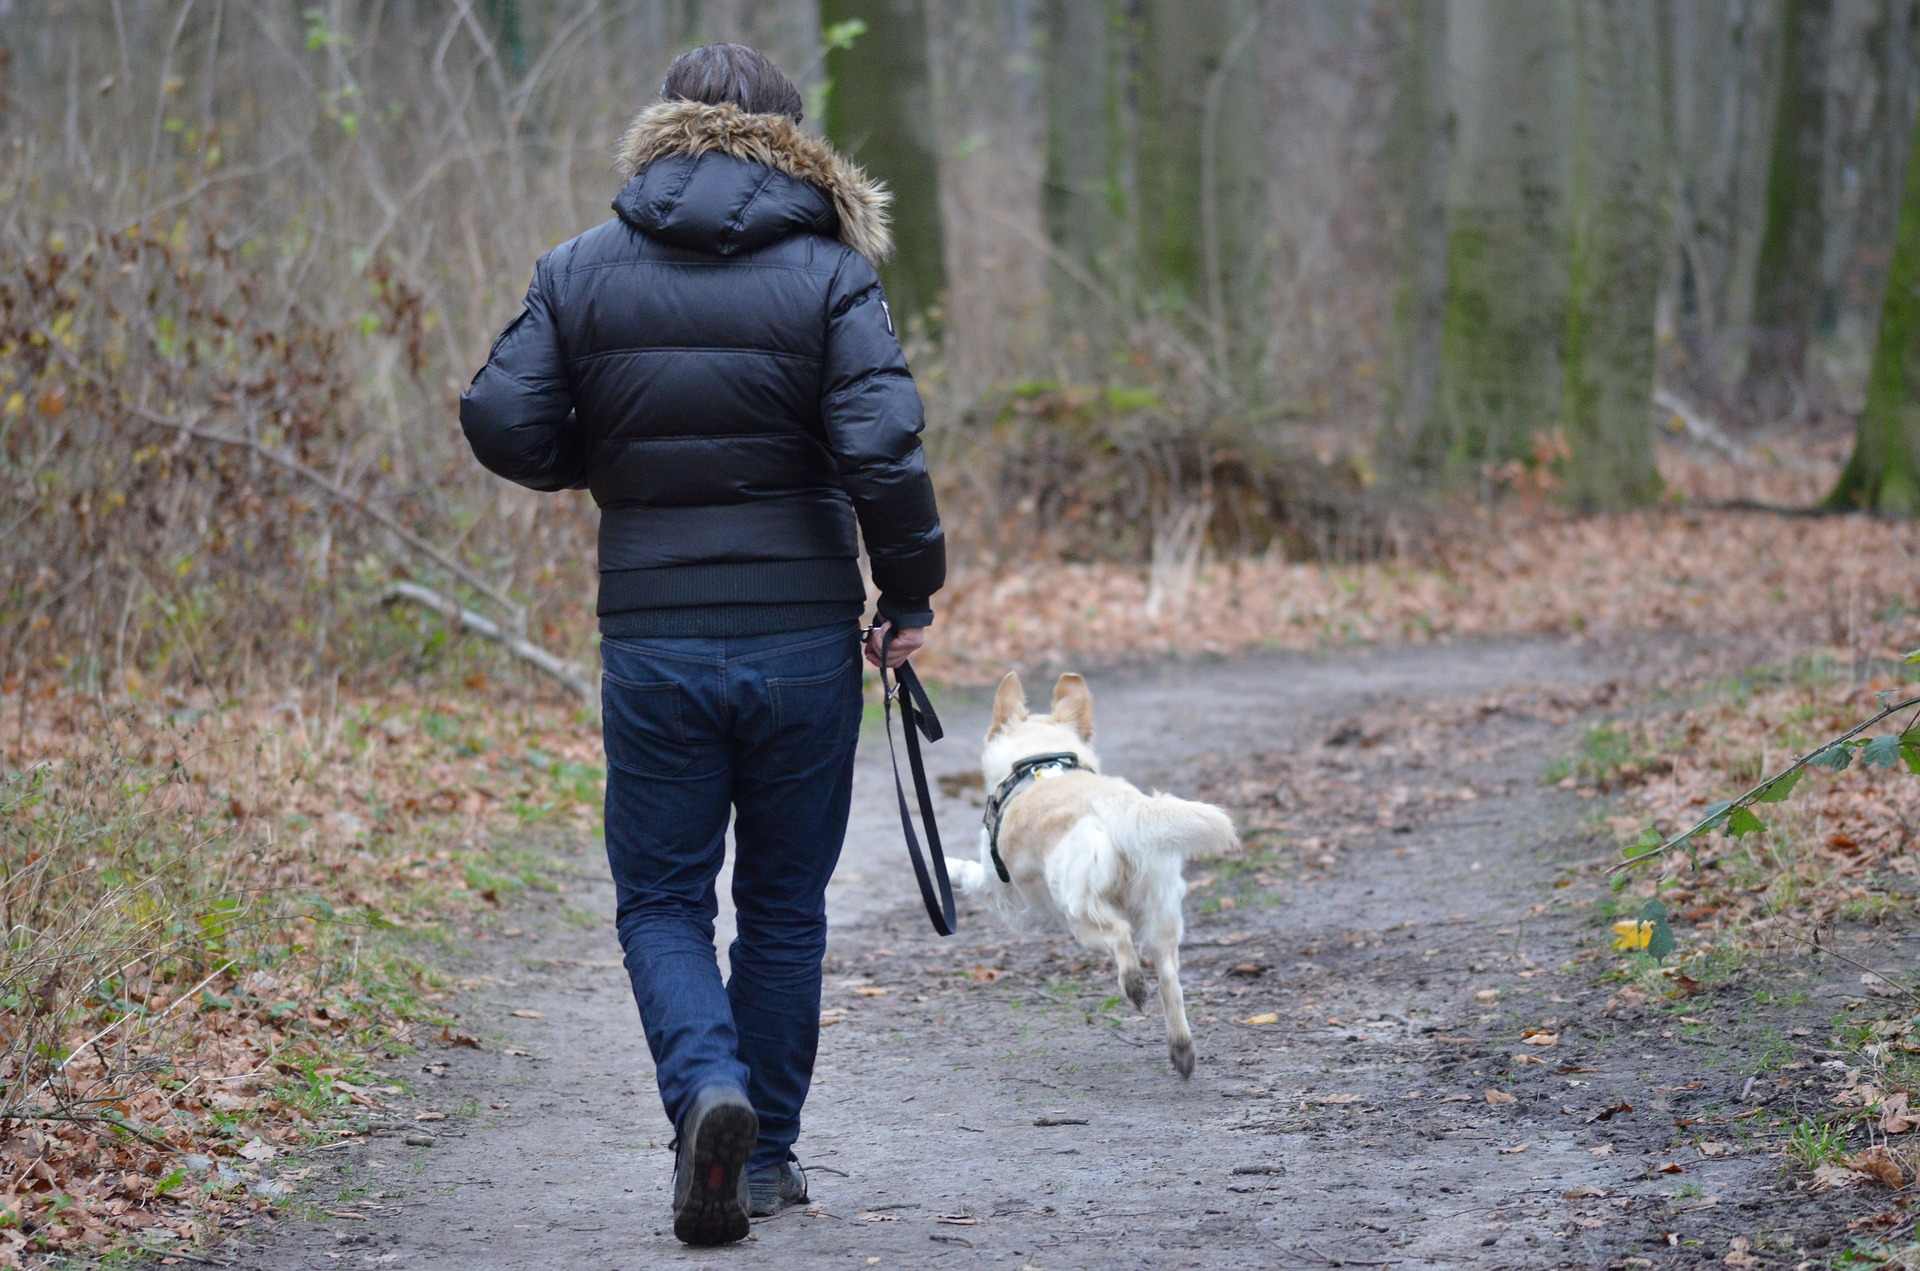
(16, 403)
(1264, 1017)
(1630, 934)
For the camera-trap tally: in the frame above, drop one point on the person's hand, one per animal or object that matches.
(906, 643)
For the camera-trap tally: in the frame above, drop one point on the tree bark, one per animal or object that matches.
(1787, 281)
(1724, 63)
(1419, 142)
(1884, 473)
(1554, 244)
(1082, 193)
(880, 111)
(1202, 174)
(1618, 228)
(1872, 85)
(1510, 68)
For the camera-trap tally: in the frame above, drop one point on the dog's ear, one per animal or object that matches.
(1073, 704)
(1009, 703)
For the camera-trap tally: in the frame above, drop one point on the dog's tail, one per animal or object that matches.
(1161, 823)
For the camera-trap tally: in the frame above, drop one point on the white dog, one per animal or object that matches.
(1061, 835)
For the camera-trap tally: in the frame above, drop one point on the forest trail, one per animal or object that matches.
(1402, 967)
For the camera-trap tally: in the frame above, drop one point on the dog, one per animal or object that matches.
(1090, 848)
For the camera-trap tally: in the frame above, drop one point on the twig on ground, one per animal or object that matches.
(565, 672)
(1858, 965)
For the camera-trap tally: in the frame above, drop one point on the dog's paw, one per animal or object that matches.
(1134, 985)
(1181, 1053)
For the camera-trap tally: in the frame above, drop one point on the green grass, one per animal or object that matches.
(1814, 1142)
(1606, 754)
(1246, 878)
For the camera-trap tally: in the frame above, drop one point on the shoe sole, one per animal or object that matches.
(713, 1213)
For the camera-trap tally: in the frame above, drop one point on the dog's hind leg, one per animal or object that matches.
(1161, 933)
(1083, 873)
(1102, 926)
(1166, 965)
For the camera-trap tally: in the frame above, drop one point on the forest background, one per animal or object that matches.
(1240, 324)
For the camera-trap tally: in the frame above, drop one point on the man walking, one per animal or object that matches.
(718, 366)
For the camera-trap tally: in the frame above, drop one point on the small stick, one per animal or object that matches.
(1858, 965)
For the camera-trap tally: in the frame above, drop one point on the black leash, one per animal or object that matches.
(917, 717)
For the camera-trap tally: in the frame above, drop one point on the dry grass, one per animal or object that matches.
(216, 913)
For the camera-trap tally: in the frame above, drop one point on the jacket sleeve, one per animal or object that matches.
(872, 414)
(518, 411)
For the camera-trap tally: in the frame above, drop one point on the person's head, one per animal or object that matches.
(732, 74)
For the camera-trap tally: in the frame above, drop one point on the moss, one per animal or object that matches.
(1786, 273)
(1884, 473)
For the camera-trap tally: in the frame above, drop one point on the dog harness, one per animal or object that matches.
(1025, 772)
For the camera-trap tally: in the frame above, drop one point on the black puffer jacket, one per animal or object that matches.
(718, 365)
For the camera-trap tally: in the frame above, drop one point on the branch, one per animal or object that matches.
(565, 672)
(1747, 799)
(115, 1120)
(339, 493)
(1857, 965)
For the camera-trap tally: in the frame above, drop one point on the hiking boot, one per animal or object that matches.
(710, 1195)
(774, 1187)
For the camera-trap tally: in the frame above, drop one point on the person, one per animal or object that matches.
(718, 366)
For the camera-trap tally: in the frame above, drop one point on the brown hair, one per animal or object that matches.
(732, 74)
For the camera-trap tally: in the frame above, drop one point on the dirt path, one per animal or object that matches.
(1405, 930)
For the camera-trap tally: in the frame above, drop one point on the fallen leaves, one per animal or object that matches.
(1499, 1097)
(1262, 1019)
(1895, 1115)
(527, 1012)
(1878, 1164)
(1539, 1037)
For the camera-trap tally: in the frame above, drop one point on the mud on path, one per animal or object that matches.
(1358, 982)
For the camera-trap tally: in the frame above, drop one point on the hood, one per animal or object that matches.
(718, 179)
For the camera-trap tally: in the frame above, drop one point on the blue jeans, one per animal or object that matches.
(764, 727)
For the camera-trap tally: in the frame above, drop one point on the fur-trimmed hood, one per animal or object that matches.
(852, 206)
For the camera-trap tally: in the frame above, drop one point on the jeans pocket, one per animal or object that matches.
(827, 704)
(642, 726)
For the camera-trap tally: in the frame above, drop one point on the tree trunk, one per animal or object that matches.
(1618, 228)
(1510, 68)
(880, 111)
(1202, 174)
(1724, 63)
(1554, 243)
(1418, 141)
(1871, 98)
(1083, 199)
(1884, 472)
(1787, 282)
